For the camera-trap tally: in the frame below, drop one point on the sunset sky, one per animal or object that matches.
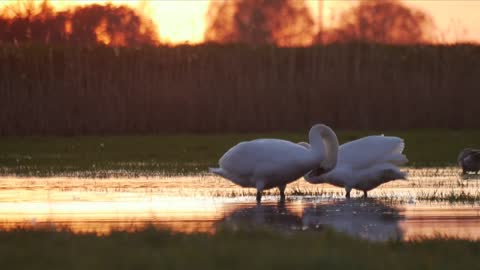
(183, 21)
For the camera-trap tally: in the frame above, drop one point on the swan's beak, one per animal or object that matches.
(314, 173)
(308, 177)
(313, 176)
(318, 171)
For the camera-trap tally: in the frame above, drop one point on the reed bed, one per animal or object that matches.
(213, 88)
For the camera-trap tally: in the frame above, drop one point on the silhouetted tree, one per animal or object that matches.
(280, 22)
(115, 25)
(23, 20)
(90, 24)
(383, 21)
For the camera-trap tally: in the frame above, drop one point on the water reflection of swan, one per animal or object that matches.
(260, 216)
(269, 163)
(364, 164)
(368, 219)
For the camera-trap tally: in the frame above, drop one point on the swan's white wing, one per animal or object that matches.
(376, 175)
(367, 151)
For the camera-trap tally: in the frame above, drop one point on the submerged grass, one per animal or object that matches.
(435, 196)
(99, 156)
(257, 249)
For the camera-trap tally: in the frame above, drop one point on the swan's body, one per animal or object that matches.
(469, 160)
(269, 163)
(364, 164)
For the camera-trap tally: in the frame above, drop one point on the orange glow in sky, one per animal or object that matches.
(455, 20)
(183, 21)
(177, 21)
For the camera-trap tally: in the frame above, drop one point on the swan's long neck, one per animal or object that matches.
(324, 146)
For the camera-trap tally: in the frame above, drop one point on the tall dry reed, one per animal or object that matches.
(210, 88)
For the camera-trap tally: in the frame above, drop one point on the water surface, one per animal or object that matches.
(433, 202)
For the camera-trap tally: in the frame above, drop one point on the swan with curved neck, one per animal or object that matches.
(268, 163)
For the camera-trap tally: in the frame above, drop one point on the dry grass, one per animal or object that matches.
(210, 88)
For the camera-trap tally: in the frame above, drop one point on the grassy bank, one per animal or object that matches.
(172, 154)
(153, 249)
(210, 88)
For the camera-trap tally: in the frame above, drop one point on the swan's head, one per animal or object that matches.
(318, 171)
(316, 176)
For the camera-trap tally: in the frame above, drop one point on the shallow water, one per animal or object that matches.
(433, 202)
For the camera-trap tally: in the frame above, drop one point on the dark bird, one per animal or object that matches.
(469, 160)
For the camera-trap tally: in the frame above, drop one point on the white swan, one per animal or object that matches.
(364, 164)
(269, 163)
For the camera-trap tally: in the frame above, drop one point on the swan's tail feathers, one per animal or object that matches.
(394, 174)
(400, 146)
(217, 171)
(225, 174)
(220, 172)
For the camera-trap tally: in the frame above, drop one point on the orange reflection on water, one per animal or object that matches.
(91, 213)
(428, 221)
(206, 203)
